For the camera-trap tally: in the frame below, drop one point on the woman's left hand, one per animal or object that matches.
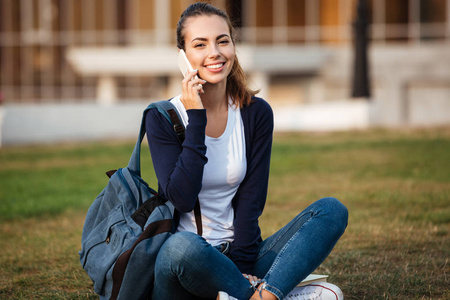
(254, 281)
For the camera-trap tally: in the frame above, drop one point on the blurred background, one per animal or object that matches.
(85, 69)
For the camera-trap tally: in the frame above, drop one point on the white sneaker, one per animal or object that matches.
(316, 290)
(225, 296)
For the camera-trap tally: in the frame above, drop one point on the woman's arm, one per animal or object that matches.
(251, 196)
(179, 168)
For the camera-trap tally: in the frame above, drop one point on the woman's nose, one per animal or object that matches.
(214, 51)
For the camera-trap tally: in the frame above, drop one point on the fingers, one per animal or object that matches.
(190, 75)
(192, 87)
(191, 81)
(254, 281)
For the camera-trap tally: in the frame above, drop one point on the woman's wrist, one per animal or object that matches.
(191, 106)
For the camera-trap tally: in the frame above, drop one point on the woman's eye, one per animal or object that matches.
(199, 45)
(224, 42)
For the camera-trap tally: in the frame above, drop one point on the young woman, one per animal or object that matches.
(224, 163)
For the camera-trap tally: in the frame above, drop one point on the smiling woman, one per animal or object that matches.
(210, 48)
(211, 32)
(211, 52)
(223, 165)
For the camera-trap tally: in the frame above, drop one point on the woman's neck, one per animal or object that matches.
(215, 101)
(215, 97)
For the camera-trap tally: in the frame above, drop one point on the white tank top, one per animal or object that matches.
(222, 175)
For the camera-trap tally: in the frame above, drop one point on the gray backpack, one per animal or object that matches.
(126, 226)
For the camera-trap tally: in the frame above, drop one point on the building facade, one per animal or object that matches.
(36, 34)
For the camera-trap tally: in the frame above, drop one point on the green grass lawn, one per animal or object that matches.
(396, 185)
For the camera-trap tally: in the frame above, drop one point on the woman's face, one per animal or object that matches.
(209, 47)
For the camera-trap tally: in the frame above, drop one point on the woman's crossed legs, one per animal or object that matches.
(188, 267)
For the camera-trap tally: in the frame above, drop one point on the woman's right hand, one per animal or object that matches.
(192, 87)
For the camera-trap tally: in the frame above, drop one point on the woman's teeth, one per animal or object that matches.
(216, 66)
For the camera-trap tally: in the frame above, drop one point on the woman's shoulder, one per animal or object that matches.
(259, 102)
(153, 118)
(258, 106)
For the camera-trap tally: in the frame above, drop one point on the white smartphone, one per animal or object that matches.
(184, 64)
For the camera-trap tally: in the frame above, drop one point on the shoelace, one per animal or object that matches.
(304, 296)
(310, 295)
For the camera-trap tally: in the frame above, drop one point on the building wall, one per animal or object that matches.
(409, 63)
(36, 34)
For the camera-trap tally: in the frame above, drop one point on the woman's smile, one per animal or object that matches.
(216, 67)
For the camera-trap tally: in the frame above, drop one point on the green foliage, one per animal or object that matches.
(394, 183)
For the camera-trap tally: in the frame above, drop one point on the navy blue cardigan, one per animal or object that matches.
(179, 169)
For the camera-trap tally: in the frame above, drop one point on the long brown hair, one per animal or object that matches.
(237, 87)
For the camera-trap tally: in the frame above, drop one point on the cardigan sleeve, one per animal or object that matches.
(178, 168)
(251, 196)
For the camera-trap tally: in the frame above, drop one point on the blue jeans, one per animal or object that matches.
(187, 267)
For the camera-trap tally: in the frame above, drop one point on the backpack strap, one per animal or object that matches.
(198, 218)
(163, 107)
(172, 115)
(177, 125)
(169, 111)
(121, 264)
